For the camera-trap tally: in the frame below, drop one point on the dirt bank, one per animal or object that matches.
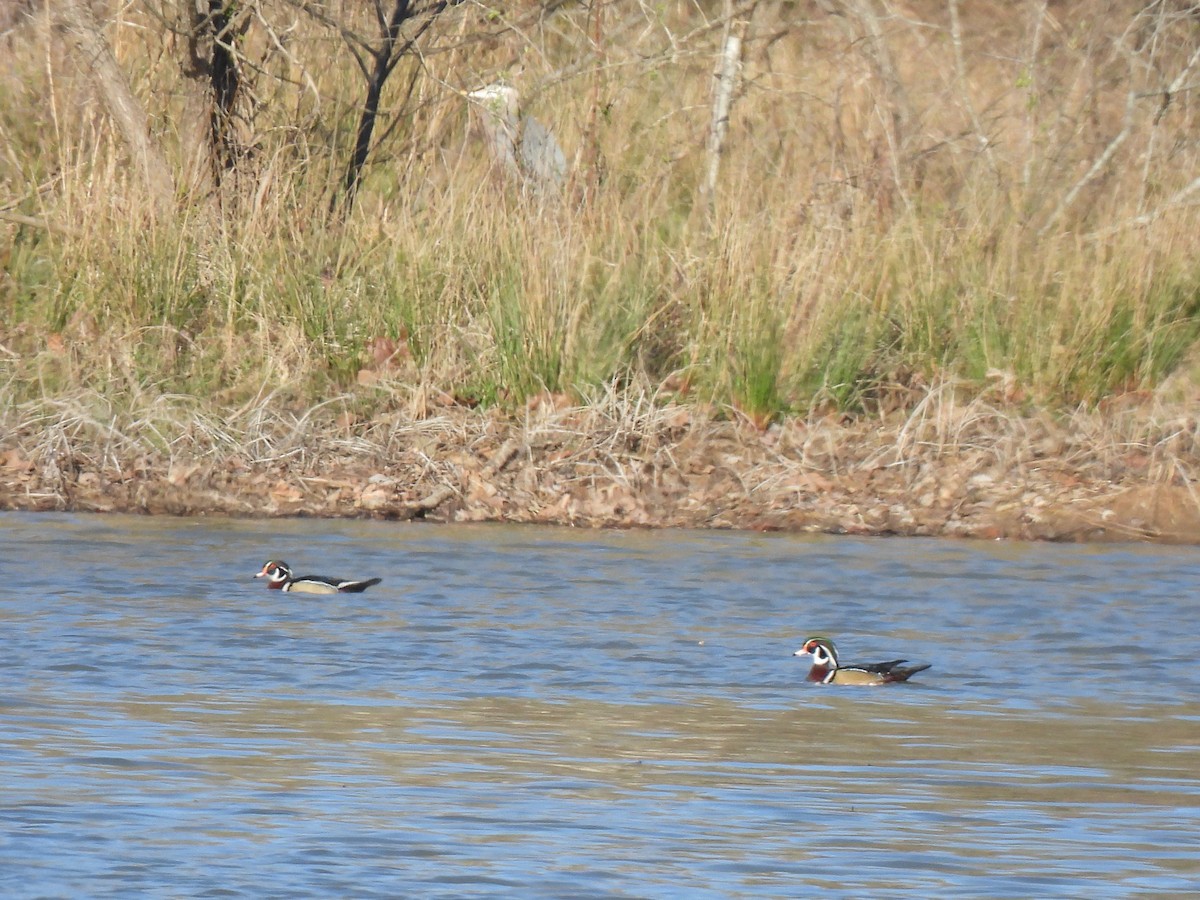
(962, 471)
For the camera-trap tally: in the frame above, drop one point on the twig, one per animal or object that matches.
(501, 457)
(33, 222)
(960, 68)
(1138, 221)
(1097, 167)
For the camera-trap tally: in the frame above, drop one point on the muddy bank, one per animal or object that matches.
(959, 473)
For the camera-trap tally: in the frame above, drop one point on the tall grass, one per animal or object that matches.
(866, 235)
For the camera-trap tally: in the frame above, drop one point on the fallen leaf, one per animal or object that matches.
(285, 493)
(678, 418)
(178, 475)
(548, 401)
(374, 498)
(811, 481)
(388, 353)
(677, 383)
(12, 459)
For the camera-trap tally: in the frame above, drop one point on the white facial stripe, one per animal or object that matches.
(278, 572)
(822, 656)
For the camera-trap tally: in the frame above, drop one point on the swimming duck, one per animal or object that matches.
(280, 578)
(827, 670)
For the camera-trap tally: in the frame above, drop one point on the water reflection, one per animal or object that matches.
(556, 713)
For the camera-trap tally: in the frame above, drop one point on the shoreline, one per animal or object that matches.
(675, 467)
(956, 243)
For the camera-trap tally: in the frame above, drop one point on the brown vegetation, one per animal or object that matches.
(950, 467)
(923, 267)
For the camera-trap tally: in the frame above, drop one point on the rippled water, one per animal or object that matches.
(527, 712)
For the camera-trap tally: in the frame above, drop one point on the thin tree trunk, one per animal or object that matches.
(384, 62)
(366, 123)
(227, 25)
(74, 19)
(725, 80)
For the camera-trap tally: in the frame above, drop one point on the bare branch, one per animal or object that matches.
(74, 18)
(960, 69)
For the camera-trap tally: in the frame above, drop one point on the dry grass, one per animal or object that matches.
(968, 227)
(955, 465)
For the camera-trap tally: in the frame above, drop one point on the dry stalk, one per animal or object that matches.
(960, 71)
(76, 20)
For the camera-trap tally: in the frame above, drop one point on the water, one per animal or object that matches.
(524, 712)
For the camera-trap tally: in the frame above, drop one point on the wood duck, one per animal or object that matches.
(280, 578)
(827, 670)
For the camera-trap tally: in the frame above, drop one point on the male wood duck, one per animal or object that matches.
(827, 670)
(280, 578)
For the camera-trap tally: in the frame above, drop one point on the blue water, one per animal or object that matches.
(526, 712)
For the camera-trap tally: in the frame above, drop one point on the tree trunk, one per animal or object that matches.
(74, 19)
(383, 65)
